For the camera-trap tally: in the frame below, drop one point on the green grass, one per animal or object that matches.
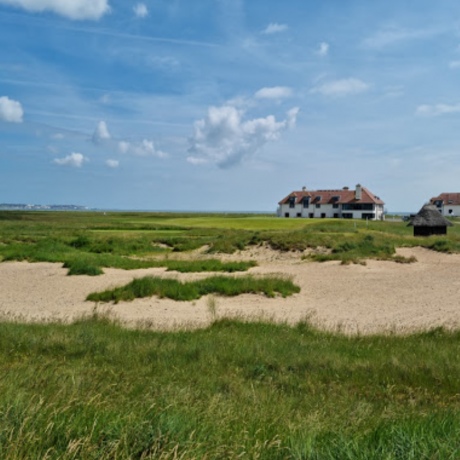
(173, 289)
(94, 390)
(118, 237)
(80, 260)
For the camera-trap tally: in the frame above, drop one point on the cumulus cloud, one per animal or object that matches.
(140, 10)
(10, 110)
(343, 87)
(225, 138)
(72, 9)
(275, 92)
(437, 109)
(75, 160)
(144, 148)
(274, 28)
(323, 49)
(101, 133)
(112, 163)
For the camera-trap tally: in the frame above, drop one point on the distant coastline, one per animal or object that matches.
(41, 207)
(74, 207)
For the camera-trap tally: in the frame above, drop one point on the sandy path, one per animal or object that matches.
(378, 296)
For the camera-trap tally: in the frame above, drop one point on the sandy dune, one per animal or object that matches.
(379, 296)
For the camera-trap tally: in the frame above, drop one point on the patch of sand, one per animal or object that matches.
(376, 297)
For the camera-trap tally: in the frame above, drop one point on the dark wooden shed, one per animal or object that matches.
(429, 221)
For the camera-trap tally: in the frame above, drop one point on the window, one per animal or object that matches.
(299, 214)
(358, 206)
(311, 215)
(306, 202)
(323, 215)
(292, 201)
(335, 206)
(318, 205)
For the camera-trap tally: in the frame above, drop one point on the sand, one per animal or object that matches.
(357, 299)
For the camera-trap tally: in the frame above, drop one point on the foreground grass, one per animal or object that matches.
(173, 289)
(94, 390)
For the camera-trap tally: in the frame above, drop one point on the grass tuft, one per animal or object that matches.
(177, 290)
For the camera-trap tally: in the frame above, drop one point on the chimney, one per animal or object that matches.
(304, 189)
(346, 188)
(358, 192)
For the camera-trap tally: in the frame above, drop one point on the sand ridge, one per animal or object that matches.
(380, 296)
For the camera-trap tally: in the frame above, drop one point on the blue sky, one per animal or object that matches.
(227, 104)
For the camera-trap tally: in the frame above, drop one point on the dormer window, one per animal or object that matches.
(292, 201)
(306, 202)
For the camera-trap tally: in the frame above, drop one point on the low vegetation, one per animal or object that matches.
(141, 240)
(94, 390)
(173, 289)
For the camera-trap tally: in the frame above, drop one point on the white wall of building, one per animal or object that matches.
(326, 211)
(448, 207)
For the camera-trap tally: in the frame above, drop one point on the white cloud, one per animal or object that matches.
(274, 28)
(275, 92)
(140, 10)
(144, 148)
(323, 49)
(454, 64)
(123, 146)
(112, 163)
(101, 133)
(74, 160)
(225, 139)
(10, 110)
(72, 9)
(436, 109)
(391, 35)
(343, 87)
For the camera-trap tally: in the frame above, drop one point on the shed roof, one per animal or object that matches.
(429, 216)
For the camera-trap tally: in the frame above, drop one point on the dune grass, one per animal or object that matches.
(118, 238)
(81, 261)
(94, 390)
(173, 289)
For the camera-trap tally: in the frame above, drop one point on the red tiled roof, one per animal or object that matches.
(328, 196)
(447, 199)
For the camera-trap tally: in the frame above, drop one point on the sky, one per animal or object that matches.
(227, 105)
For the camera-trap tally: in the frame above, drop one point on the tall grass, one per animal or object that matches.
(94, 390)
